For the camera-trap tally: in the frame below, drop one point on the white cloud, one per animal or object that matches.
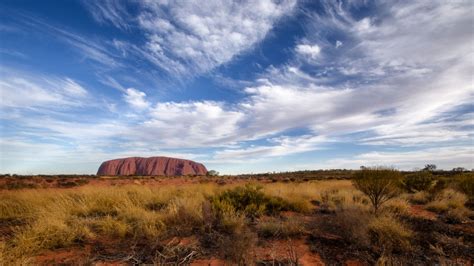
(89, 48)
(73, 88)
(397, 62)
(196, 36)
(39, 91)
(273, 108)
(363, 25)
(282, 146)
(193, 124)
(109, 11)
(136, 98)
(308, 50)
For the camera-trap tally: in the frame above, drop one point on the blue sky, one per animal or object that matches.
(242, 86)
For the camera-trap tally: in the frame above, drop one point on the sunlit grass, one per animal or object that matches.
(49, 219)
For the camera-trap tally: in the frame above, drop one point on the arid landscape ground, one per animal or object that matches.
(299, 218)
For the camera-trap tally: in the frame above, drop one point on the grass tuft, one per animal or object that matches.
(281, 228)
(447, 199)
(390, 234)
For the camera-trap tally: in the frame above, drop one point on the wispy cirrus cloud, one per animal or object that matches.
(193, 37)
(384, 81)
(279, 146)
(110, 11)
(97, 51)
(196, 36)
(20, 90)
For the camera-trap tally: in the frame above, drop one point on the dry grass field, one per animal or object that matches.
(227, 221)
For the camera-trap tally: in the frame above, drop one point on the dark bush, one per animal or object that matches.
(19, 185)
(466, 185)
(67, 184)
(419, 181)
(251, 201)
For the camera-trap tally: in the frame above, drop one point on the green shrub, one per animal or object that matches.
(440, 183)
(378, 184)
(466, 185)
(251, 201)
(419, 181)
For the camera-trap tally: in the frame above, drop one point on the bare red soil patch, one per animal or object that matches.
(419, 211)
(70, 256)
(208, 262)
(287, 251)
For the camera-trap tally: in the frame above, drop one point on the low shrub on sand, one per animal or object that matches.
(418, 181)
(251, 201)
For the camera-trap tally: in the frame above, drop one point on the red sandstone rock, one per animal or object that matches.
(151, 166)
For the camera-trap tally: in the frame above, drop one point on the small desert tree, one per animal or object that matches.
(212, 173)
(429, 167)
(379, 184)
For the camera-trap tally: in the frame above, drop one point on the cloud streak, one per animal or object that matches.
(192, 37)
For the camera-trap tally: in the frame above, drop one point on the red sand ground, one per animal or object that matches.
(419, 211)
(282, 250)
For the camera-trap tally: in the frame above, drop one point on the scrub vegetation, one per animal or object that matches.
(372, 216)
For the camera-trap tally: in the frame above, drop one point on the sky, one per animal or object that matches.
(241, 86)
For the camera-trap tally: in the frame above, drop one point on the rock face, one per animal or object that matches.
(164, 166)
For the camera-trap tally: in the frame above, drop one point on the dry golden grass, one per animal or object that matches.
(389, 233)
(446, 200)
(451, 203)
(61, 218)
(55, 218)
(48, 219)
(281, 228)
(301, 194)
(397, 206)
(3, 260)
(420, 197)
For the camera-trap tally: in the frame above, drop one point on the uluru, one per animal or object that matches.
(159, 166)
